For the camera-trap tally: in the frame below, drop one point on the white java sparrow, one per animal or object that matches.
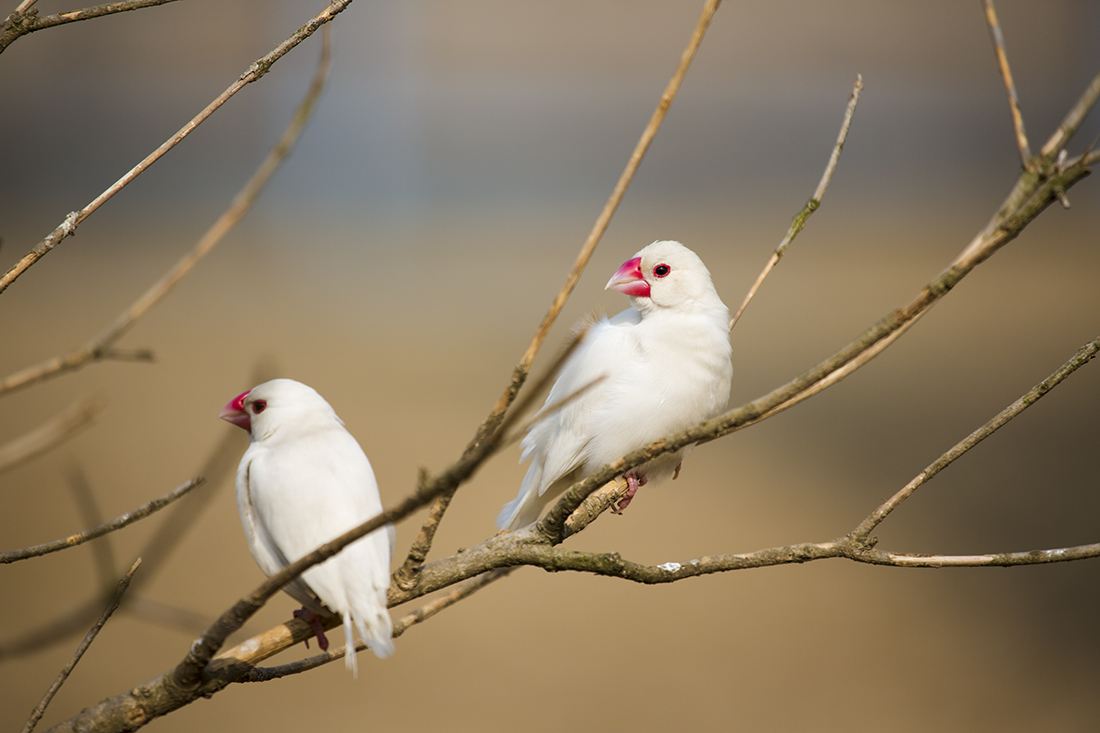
(665, 363)
(303, 481)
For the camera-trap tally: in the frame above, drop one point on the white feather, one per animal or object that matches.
(303, 481)
(666, 366)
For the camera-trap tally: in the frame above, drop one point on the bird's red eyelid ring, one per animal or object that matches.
(661, 270)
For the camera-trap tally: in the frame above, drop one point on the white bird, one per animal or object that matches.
(303, 481)
(665, 366)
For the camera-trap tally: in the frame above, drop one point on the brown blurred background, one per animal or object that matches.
(404, 253)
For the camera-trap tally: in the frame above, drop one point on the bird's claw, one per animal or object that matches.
(633, 483)
(314, 621)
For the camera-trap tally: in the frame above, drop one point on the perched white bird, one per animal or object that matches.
(665, 363)
(303, 481)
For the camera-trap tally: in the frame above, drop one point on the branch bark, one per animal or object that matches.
(122, 520)
(112, 606)
(798, 223)
(256, 71)
(24, 19)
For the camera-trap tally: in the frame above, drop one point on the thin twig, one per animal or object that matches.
(122, 520)
(86, 642)
(21, 23)
(800, 219)
(49, 435)
(254, 72)
(1010, 86)
(489, 430)
(1079, 359)
(1072, 120)
(425, 612)
(101, 346)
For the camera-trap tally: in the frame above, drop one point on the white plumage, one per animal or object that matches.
(666, 366)
(303, 481)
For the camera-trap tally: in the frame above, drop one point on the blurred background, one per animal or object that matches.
(399, 262)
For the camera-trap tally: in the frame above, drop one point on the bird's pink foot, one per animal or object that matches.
(314, 621)
(633, 483)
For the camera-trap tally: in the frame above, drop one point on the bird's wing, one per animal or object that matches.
(311, 489)
(558, 444)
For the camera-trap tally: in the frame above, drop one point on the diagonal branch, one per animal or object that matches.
(1010, 86)
(798, 223)
(1073, 119)
(24, 20)
(86, 642)
(1079, 359)
(425, 612)
(49, 435)
(256, 71)
(489, 430)
(101, 347)
(122, 520)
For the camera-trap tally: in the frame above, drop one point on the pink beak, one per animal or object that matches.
(235, 413)
(628, 279)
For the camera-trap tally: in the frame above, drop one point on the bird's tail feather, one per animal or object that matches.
(519, 512)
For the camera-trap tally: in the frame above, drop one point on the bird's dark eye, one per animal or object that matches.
(662, 270)
(259, 406)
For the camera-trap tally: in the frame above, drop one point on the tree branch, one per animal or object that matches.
(257, 70)
(102, 345)
(22, 22)
(798, 223)
(86, 642)
(1079, 359)
(1010, 86)
(489, 430)
(49, 435)
(425, 612)
(122, 520)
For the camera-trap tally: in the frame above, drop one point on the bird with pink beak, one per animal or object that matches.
(658, 367)
(303, 481)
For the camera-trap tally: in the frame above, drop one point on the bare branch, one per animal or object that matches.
(122, 520)
(21, 22)
(425, 612)
(1079, 359)
(257, 70)
(49, 435)
(102, 345)
(1073, 120)
(798, 223)
(489, 430)
(86, 642)
(1010, 86)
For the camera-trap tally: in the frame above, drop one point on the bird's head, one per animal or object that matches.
(264, 408)
(665, 274)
